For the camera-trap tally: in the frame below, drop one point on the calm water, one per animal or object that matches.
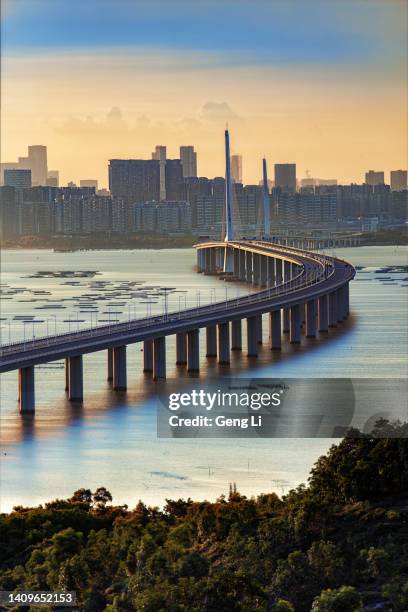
(111, 439)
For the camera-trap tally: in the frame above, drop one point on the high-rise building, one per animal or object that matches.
(236, 168)
(398, 180)
(89, 183)
(285, 177)
(7, 166)
(373, 177)
(188, 159)
(18, 178)
(160, 155)
(53, 178)
(37, 162)
(174, 185)
(134, 180)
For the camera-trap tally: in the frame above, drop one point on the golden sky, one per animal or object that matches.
(336, 110)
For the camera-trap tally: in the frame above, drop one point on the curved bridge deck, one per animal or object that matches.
(293, 285)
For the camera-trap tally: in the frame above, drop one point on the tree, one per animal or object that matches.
(101, 497)
(345, 599)
(83, 496)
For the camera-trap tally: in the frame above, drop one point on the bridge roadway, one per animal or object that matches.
(296, 287)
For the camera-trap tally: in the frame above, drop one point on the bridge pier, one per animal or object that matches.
(333, 309)
(26, 393)
(242, 265)
(341, 304)
(347, 299)
(223, 343)
(148, 356)
(181, 348)
(260, 329)
(66, 368)
(255, 269)
(278, 267)
(159, 358)
(322, 313)
(264, 271)
(285, 320)
(75, 379)
(252, 336)
(295, 320)
(236, 335)
(211, 341)
(311, 319)
(248, 266)
(110, 365)
(193, 350)
(119, 368)
(275, 330)
(270, 271)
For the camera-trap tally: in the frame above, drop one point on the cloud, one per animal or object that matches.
(218, 111)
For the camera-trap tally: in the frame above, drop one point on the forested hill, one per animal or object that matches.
(338, 544)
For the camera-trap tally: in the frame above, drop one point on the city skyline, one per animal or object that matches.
(188, 159)
(149, 79)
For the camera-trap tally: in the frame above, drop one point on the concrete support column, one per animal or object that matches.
(236, 262)
(148, 356)
(66, 360)
(295, 320)
(252, 336)
(271, 271)
(242, 265)
(248, 266)
(278, 267)
(255, 269)
(119, 368)
(260, 329)
(223, 343)
(275, 330)
(323, 313)
(181, 348)
(311, 319)
(109, 377)
(347, 299)
(211, 341)
(285, 320)
(159, 358)
(26, 394)
(264, 271)
(340, 304)
(236, 335)
(287, 271)
(333, 309)
(193, 350)
(75, 379)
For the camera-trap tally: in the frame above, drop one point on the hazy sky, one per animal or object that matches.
(318, 82)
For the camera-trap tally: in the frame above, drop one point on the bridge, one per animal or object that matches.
(301, 292)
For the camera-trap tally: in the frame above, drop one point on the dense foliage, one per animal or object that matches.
(340, 544)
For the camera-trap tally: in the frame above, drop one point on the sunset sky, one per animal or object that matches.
(321, 83)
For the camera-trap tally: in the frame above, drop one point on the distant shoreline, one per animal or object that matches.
(397, 237)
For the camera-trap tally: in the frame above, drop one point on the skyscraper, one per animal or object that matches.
(18, 178)
(174, 185)
(285, 177)
(37, 162)
(374, 178)
(189, 161)
(398, 180)
(135, 180)
(160, 154)
(236, 168)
